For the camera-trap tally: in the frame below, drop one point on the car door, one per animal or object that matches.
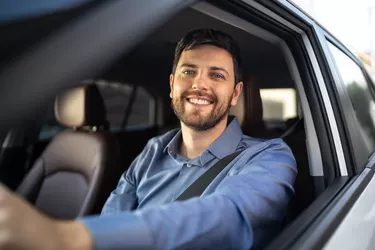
(355, 91)
(346, 219)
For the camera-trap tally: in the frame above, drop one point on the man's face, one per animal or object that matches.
(202, 87)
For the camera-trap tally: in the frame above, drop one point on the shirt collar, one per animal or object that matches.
(228, 141)
(173, 146)
(226, 144)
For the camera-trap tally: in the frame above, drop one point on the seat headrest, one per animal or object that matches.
(79, 107)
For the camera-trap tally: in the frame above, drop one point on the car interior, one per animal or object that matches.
(89, 135)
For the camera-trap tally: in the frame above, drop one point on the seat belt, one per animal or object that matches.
(200, 184)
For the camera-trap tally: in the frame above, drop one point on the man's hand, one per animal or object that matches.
(22, 227)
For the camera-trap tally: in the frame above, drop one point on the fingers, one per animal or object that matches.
(4, 193)
(4, 189)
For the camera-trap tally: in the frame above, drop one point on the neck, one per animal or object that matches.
(194, 142)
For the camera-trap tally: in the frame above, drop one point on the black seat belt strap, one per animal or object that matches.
(200, 184)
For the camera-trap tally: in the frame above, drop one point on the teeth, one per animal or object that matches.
(199, 101)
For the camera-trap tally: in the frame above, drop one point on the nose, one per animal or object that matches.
(200, 83)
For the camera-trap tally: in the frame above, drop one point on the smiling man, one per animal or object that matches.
(198, 103)
(241, 208)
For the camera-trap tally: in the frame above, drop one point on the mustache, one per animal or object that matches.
(198, 93)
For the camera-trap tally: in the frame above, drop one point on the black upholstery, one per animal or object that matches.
(295, 137)
(79, 168)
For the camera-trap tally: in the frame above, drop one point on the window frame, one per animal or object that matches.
(304, 47)
(312, 228)
(359, 151)
(328, 125)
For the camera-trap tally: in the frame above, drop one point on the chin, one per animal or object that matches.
(200, 123)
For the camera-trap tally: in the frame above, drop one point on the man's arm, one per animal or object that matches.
(73, 235)
(243, 209)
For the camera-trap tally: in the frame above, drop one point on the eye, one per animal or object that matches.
(188, 72)
(217, 76)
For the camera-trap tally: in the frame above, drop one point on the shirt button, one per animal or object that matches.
(188, 165)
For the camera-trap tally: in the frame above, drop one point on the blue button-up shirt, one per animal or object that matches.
(242, 207)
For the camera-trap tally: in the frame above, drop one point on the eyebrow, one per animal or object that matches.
(189, 65)
(220, 69)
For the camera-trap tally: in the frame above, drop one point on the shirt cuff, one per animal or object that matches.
(121, 231)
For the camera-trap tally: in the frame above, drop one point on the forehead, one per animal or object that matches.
(207, 56)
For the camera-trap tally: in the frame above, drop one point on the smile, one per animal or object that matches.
(198, 101)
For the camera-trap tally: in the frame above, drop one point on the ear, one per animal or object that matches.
(236, 93)
(171, 85)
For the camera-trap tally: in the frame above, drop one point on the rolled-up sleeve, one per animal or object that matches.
(248, 205)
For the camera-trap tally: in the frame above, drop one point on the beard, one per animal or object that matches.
(195, 119)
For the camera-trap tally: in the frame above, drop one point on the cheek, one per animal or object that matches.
(176, 91)
(179, 89)
(224, 95)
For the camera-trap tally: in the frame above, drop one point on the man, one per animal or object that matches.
(240, 209)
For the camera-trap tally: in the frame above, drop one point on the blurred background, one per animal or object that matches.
(351, 21)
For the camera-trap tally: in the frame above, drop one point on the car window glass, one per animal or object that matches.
(279, 104)
(142, 115)
(116, 98)
(359, 94)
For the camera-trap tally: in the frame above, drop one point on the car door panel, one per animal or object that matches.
(356, 230)
(291, 234)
